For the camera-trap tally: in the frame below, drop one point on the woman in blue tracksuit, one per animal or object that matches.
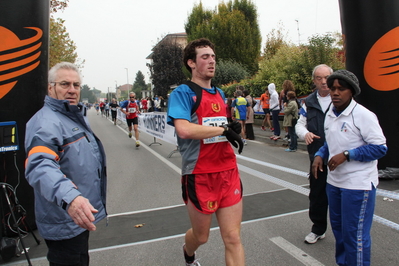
(354, 143)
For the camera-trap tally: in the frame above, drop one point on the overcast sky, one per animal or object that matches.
(114, 37)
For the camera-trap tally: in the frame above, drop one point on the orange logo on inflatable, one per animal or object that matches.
(381, 67)
(17, 57)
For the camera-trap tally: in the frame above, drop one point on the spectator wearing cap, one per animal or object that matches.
(354, 143)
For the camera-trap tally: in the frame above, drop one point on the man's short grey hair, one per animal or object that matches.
(321, 65)
(52, 74)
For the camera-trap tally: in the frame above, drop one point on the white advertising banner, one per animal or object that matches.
(154, 124)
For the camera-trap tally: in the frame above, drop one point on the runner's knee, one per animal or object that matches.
(232, 237)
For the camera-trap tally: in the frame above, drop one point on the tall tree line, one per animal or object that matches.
(232, 27)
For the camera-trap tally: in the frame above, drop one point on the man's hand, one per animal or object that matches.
(309, 137)
(81, 211)
(234, 138)
(317, 165)
(235, 126)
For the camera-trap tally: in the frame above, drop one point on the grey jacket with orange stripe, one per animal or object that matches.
(64, 160)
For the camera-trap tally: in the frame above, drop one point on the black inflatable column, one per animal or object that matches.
(371, 36)
(24, 48)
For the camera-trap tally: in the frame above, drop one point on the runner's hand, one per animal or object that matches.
(235, 126)
(234, 138)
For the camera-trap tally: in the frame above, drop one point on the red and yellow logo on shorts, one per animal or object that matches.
(216, 107)
(212, 205)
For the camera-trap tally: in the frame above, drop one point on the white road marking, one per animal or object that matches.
(295, 252)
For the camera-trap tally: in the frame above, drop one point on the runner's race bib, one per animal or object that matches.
(214, 122)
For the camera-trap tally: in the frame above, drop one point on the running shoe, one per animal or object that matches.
(244, 141)
(289, 150)
(137, 143)
(194, 262)
(312, 238)
(130, 134)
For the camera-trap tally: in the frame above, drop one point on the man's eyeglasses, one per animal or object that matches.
(132, 97)
(66, 85)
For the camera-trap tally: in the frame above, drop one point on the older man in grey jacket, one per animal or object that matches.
(66, 167)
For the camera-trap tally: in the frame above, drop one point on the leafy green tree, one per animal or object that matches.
(233, 29)
(62, 48)
(166, 67)
(197, 18)
(274, 40)
(324, 49)
(87, 93)
(286, 64)
(97, 93)
(228, 71)
(139, 83)
(296, 63)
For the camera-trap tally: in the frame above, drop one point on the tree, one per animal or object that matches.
(274, 41)
(56, 5)
(198, 17)
(88, 94)
(286, 64)
(324, 49)
(296, 63)
(167, 66)
(233, 29)
(139, 83)
(97, 93)
(62, 48)
(228, 71)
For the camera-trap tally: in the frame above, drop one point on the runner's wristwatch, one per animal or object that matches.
(226, 128)
(346, 153)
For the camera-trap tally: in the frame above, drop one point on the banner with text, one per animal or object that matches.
(154, 124)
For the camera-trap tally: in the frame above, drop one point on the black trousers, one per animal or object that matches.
(318, 202)
(70, 252)
(113, 114)
(249, 131)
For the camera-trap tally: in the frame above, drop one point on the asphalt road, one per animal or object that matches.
(144, 191)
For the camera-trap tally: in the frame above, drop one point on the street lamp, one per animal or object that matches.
(127, 75)
(116, 90)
